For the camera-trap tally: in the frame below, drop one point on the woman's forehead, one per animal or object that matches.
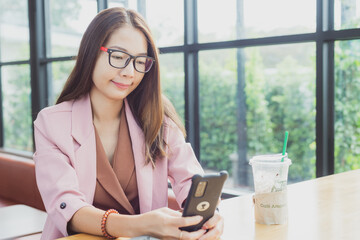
(129, 39)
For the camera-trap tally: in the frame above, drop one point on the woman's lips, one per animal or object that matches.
(121, 85)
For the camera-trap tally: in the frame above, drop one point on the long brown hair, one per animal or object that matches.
(146, 101)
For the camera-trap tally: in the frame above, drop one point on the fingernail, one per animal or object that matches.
(204, 228)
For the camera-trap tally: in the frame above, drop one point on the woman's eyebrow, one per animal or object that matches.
(125, 50)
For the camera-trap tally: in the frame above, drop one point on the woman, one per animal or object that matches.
(112, 142)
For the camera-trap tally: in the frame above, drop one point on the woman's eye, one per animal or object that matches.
(117, 57)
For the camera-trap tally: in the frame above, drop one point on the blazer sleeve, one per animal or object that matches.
(182, 162)
(56, 178)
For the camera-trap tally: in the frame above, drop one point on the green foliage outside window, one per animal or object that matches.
(172, 80)
(63, 12)
(275, 102)
(17, 108)
(218, 136)
(347, 100)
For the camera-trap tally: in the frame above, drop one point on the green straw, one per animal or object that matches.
(285, 143)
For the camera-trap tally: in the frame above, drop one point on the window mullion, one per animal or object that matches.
(102, 4)
(39, 93)
(191, 63)
(324, 90)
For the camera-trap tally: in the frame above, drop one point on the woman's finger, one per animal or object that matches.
(179, 222)
(212, 234)
(215, 232)
(184, 235)
(212, 222)
(187, 221)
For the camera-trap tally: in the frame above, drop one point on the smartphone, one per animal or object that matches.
(203, 197)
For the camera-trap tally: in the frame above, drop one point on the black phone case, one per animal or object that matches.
(206, 204)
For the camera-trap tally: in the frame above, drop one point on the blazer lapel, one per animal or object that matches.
(85, 151)
(82, 123)
(144, 172)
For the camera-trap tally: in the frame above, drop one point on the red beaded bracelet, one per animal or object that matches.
(103, 223)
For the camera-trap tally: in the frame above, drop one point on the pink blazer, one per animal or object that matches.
(65, 163)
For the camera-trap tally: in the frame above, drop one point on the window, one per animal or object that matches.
(17, 107)
(166, 26)
(347, 101)
(14, 20)
(239, 73)
(132, 4)
(15, 76)
(60, 72)
(240, 19)
(68, 21)
(279, 89)
(347, 14)
(218, 78)
(172, 80)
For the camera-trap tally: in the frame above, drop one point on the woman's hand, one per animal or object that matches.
(215, 227)
(164, 223)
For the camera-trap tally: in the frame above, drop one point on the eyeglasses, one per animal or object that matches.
(120, 59)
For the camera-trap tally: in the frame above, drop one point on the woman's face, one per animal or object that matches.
(113, 83)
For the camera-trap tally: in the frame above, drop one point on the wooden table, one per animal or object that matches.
(321, 209)
(20, 220)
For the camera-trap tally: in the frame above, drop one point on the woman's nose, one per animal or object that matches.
(129, 70)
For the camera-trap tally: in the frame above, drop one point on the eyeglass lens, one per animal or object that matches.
(122, 59)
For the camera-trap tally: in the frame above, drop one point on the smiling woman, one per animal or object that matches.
(105, 151)
(109, 81)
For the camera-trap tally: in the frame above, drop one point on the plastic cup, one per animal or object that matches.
(270, 182)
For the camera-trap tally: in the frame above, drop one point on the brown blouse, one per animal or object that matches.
(116, 185)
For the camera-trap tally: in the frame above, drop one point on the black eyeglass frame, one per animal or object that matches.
(110, 51)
